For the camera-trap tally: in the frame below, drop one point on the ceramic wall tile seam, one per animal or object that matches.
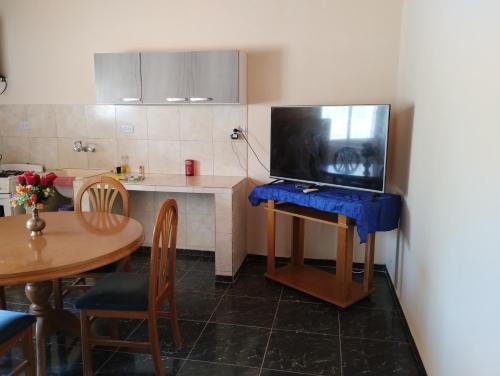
(224, 222)
(67, 119)
(174, 167)
(223, 254)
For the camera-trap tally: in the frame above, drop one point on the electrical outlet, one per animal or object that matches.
(127, 128)
(24, 125)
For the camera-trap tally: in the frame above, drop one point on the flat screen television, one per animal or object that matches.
(342, 146)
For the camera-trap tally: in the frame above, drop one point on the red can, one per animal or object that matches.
(189, 164)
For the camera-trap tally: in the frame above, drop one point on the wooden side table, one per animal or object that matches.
(338, 288)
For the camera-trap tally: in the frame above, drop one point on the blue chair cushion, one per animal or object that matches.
(12, 323)
(117, 292)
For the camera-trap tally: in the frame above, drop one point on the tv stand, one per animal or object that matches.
(338, 288)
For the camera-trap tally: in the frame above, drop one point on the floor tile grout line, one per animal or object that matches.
(116, 350)
(270, 332)
(294, 372)
(215, 363)
(203, 330)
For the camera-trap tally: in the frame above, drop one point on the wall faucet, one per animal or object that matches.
(78, 147)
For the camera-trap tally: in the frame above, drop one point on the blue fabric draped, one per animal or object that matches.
(372, 212)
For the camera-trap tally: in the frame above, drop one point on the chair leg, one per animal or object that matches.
(174, 323)
(3, 299)
(125, 265)
(29, 353)
(86, 351)
(58, 294)
(115, 328)
(155, 345)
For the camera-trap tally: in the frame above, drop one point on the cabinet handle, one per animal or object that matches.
(131, 99)
(176, 99)
(200, 99)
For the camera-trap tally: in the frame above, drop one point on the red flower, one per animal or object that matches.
(30, 179)
(44, 182)
(33, 198)
(51, 176)
(28, 173)
(21, 179)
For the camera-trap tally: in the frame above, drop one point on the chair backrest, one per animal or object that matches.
(102, 192)
(162, 267)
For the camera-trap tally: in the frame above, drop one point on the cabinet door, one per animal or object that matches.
(118, 77)
(215, 76)
(165, 77)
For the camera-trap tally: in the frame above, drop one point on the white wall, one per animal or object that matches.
(299, 52)
(448, 133)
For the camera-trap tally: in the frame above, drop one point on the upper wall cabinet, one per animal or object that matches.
(186, 77)
(165, 77)
(118, 78)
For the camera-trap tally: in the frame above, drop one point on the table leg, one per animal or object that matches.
(345, 238)
(48, 320)
(38, 293)
(297, 241)
(369, 260)
(271, 237)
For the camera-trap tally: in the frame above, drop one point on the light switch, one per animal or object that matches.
(127, 128)
(24, 125)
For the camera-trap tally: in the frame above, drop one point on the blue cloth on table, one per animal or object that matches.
(371, 212)
(13, 323)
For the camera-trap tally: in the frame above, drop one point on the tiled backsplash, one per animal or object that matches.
(158, 137)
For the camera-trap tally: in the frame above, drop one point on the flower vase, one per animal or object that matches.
(35, 224)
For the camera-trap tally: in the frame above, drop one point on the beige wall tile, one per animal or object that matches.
(136, 151)
(100, 121)
(70, 120)
(226, 118)
(196, 123)
(134, 116)
(202, 153)
(105, 155)
(223, 254)
(230, 158)
(164, 157)
(44, 151)
(163, 123)
(16, 150)
(10, 118)
(147, 219)
(223, 213)
(181, 231)
(42, 120)
(200, 232)
(180, 198)
(68, 158)
(142, 201)
(200, 203)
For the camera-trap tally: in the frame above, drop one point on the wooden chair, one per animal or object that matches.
(137, 296)
(102, 193)
(16, 327)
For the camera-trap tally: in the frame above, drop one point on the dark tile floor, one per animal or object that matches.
(250, 328)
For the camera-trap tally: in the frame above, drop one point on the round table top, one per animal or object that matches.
(71, 243)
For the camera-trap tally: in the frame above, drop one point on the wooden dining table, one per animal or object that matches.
(71, 243)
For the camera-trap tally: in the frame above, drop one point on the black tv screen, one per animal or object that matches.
(334, 145)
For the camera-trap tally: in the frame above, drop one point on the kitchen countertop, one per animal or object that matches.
(182, 183)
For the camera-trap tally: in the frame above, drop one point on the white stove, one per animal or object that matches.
(8, 173)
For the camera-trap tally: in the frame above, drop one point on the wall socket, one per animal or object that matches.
(127, 128)
(24, 125)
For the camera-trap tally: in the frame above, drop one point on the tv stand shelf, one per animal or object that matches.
(338, 288)
(307, 213)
